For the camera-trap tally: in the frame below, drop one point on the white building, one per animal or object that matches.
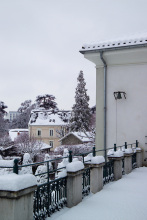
(121, 66)
(12, 115)
(14, 133)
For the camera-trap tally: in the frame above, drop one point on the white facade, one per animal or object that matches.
(126, 119)
(12, 115)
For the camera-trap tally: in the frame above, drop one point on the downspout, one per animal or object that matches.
(105, 103)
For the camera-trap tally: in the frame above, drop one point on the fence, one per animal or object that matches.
(51, 195)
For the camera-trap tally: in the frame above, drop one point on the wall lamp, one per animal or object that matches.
(118, 95)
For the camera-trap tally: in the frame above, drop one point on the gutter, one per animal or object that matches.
(112, 48)
(105, 104)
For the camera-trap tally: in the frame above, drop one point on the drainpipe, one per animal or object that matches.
(105, 102)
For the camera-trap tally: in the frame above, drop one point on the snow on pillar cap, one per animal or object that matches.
(97, 160)
(14, 182)
(74, 166)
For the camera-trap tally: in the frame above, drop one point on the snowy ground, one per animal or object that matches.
(125, 199)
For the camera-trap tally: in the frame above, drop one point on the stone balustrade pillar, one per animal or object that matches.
(117, 166)
(139, 157)
(128, 162)
(16, 196)
(74, 183)
(96, 177)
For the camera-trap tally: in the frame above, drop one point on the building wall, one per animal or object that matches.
(127, 118)
(71, 140)
(45, 134)
(99, 108)
(126, 121)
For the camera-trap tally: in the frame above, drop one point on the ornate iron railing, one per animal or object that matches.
(86, 182)
(134, 164)
(123, 166)
(49, 197)
(108, 172)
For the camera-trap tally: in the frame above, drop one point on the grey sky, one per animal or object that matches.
(40, 42)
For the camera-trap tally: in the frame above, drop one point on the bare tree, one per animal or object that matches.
(5, 141)
(21, 121)
(29, 145)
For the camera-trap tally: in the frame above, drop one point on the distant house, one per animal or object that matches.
(44, 125)
(13, 133)
(74, 138)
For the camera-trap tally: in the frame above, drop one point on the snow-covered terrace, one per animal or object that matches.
(124, 199)
(123, 43)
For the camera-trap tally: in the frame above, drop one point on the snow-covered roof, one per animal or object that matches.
(13, 133)
(43, 117)
(122, 43)
(45, 146)
(84, 137)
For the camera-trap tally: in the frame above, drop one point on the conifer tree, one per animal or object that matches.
(3, 122)
(81, 115)
(46, 101)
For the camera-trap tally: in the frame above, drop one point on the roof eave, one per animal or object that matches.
(113, 48)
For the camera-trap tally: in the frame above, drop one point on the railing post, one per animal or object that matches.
(94, 152)
(70, 156)
(15, 166)
(125, 145)
(136, 144)
(115, 147)
(138, 155)
(48, 171)
(83, 157)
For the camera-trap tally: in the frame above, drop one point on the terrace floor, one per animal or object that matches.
(125, 199)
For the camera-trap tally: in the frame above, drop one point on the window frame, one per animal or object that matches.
(51, 141)
(51, 132)
(39, 131)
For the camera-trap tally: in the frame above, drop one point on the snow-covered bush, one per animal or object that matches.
(88, 157)
(5, 141)
(76, 149)
(26, 160)
(6, 163)
(62, 172)
(41, 171)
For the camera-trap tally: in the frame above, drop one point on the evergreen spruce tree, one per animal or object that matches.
(81, 115)
(3, 122)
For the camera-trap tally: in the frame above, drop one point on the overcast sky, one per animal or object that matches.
(40, 42)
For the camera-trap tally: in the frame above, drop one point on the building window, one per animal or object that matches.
(51, 133)
(51, 143)
(39, 132)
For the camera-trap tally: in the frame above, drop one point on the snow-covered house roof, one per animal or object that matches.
(45, 146)
(84, 137)
(44, 117)
(13, 133)
(122, 43)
